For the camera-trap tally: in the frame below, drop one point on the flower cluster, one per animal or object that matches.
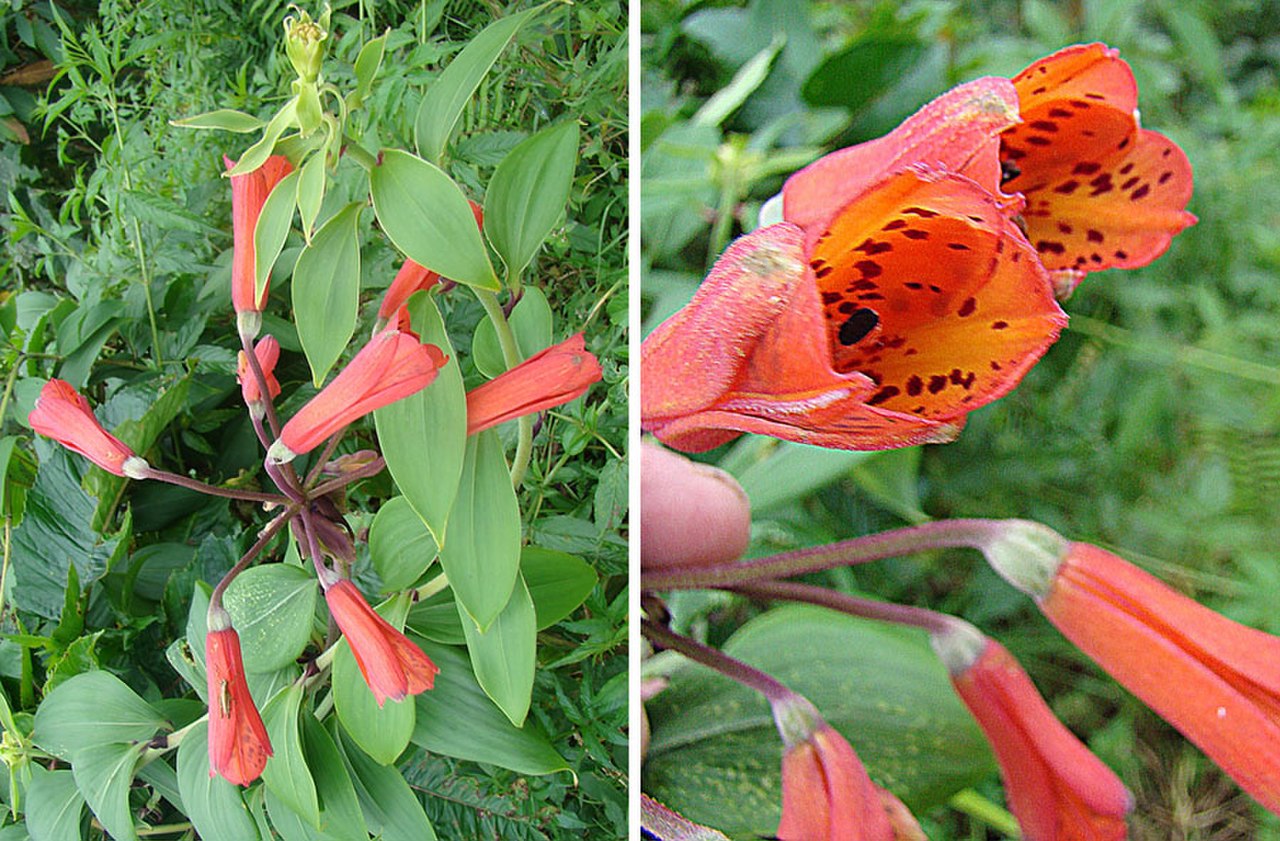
(911, 279)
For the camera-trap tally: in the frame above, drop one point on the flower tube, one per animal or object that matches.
(238, 743)
(248, 194)
(392, 365)
(1056, 787)
(392, 665)
(550, 377)
(62, 413)
(1215, 680)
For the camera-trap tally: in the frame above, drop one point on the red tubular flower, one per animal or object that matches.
(827, 795)
(392, 365)
(548, 378)
(392, 665)
(1057, 789)
(238, 743)
(1101, 191)
(268, 353)
(248, 193)
(413, 278)
(62, 413)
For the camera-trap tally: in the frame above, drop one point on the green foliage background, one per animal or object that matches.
(1151, 428)
(108, 205)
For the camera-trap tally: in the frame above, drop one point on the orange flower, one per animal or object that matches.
(62, 413)
(1216, 681)
(248, 193)
(238, 743)
(548, 378)
(392, 365)
(883, 326)
(1057, 789)
(413, 278)
(268, 353)
(1101, 191)
(827, 795)
(392, 665)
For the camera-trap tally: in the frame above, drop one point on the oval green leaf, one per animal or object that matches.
(488, 735)
(381, 732)
(311, 180)
(528, 193)
(326, 291)
(340, 817)
(367, 64)
(391, 809)
(226, 119)
(446, 97)
(423, 436)
(531, 321)
(104, 773)
(257, 154)
(286, 774)
(504, 655)
(400, 545)
(881, 687)
(272, 230)
(272, 608)
(213, 805)
(92, 709)
(53, 805)
(428, 218)
(482, 553)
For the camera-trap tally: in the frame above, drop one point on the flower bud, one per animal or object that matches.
(304, 42)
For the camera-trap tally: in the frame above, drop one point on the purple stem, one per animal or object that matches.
(215, 598)
(941, 534)
(900, 614)
(327, 576)
(324, 457)
(373, 468)
(261, 378)
(748, 676)
(212, 490)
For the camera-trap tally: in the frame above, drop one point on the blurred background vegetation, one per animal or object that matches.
(107, 202)
(1151, 428)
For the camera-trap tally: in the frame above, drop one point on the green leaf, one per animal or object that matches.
(400, 545)
(557, 583)
(340, 816)
(214, 806)
(162, 212)
(93, 709)
(382, 732)
(428, 218)
(775, 472)
(223, 118)
(860, 73)
(504, 655)
(54, 805)
(390, 807)
(488, 735)
(530, 320)
(311, 180)
(367, 64)
(528, 193)
(258, 153)
(883, 688)
(273, 229)
(6, 453)
(423, 436)
(104, 774)
(286, 773)
(446, 97)
(326, 290)
(892, 479)
(481, 556)
(272, 608)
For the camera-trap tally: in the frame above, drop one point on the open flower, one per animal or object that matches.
(392, 665)
(1216, 681)
(248, 194)
(238, 743)
(62, 413)
(909, 306)
(1101, 191)
(550, 377)
(392, 365)
(414, 278)
(268, 353)
(1056, 787)
(826, 793)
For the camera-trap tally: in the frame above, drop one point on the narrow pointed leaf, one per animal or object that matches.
(381, 732)
(367, 64)
(504, 655)
(258, 153)
(286, 774)
(400, 545)
(390, 807)
(311, 191)
(54, 805)
(326, 291)
(226, 119)
(272, 230)
(104, 774)
(214, 806)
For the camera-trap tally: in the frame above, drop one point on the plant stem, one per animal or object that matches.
(373, 468)
(511, 357)
(748, 676)
(215, 598)
(899, 614)
(254, 365)
(323, 457)
(981, 809)
(435, 585)
(359, 154)
(213, 490)
(941, 534)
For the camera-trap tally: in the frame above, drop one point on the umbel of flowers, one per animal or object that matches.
(392, 365)
(906, 282)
